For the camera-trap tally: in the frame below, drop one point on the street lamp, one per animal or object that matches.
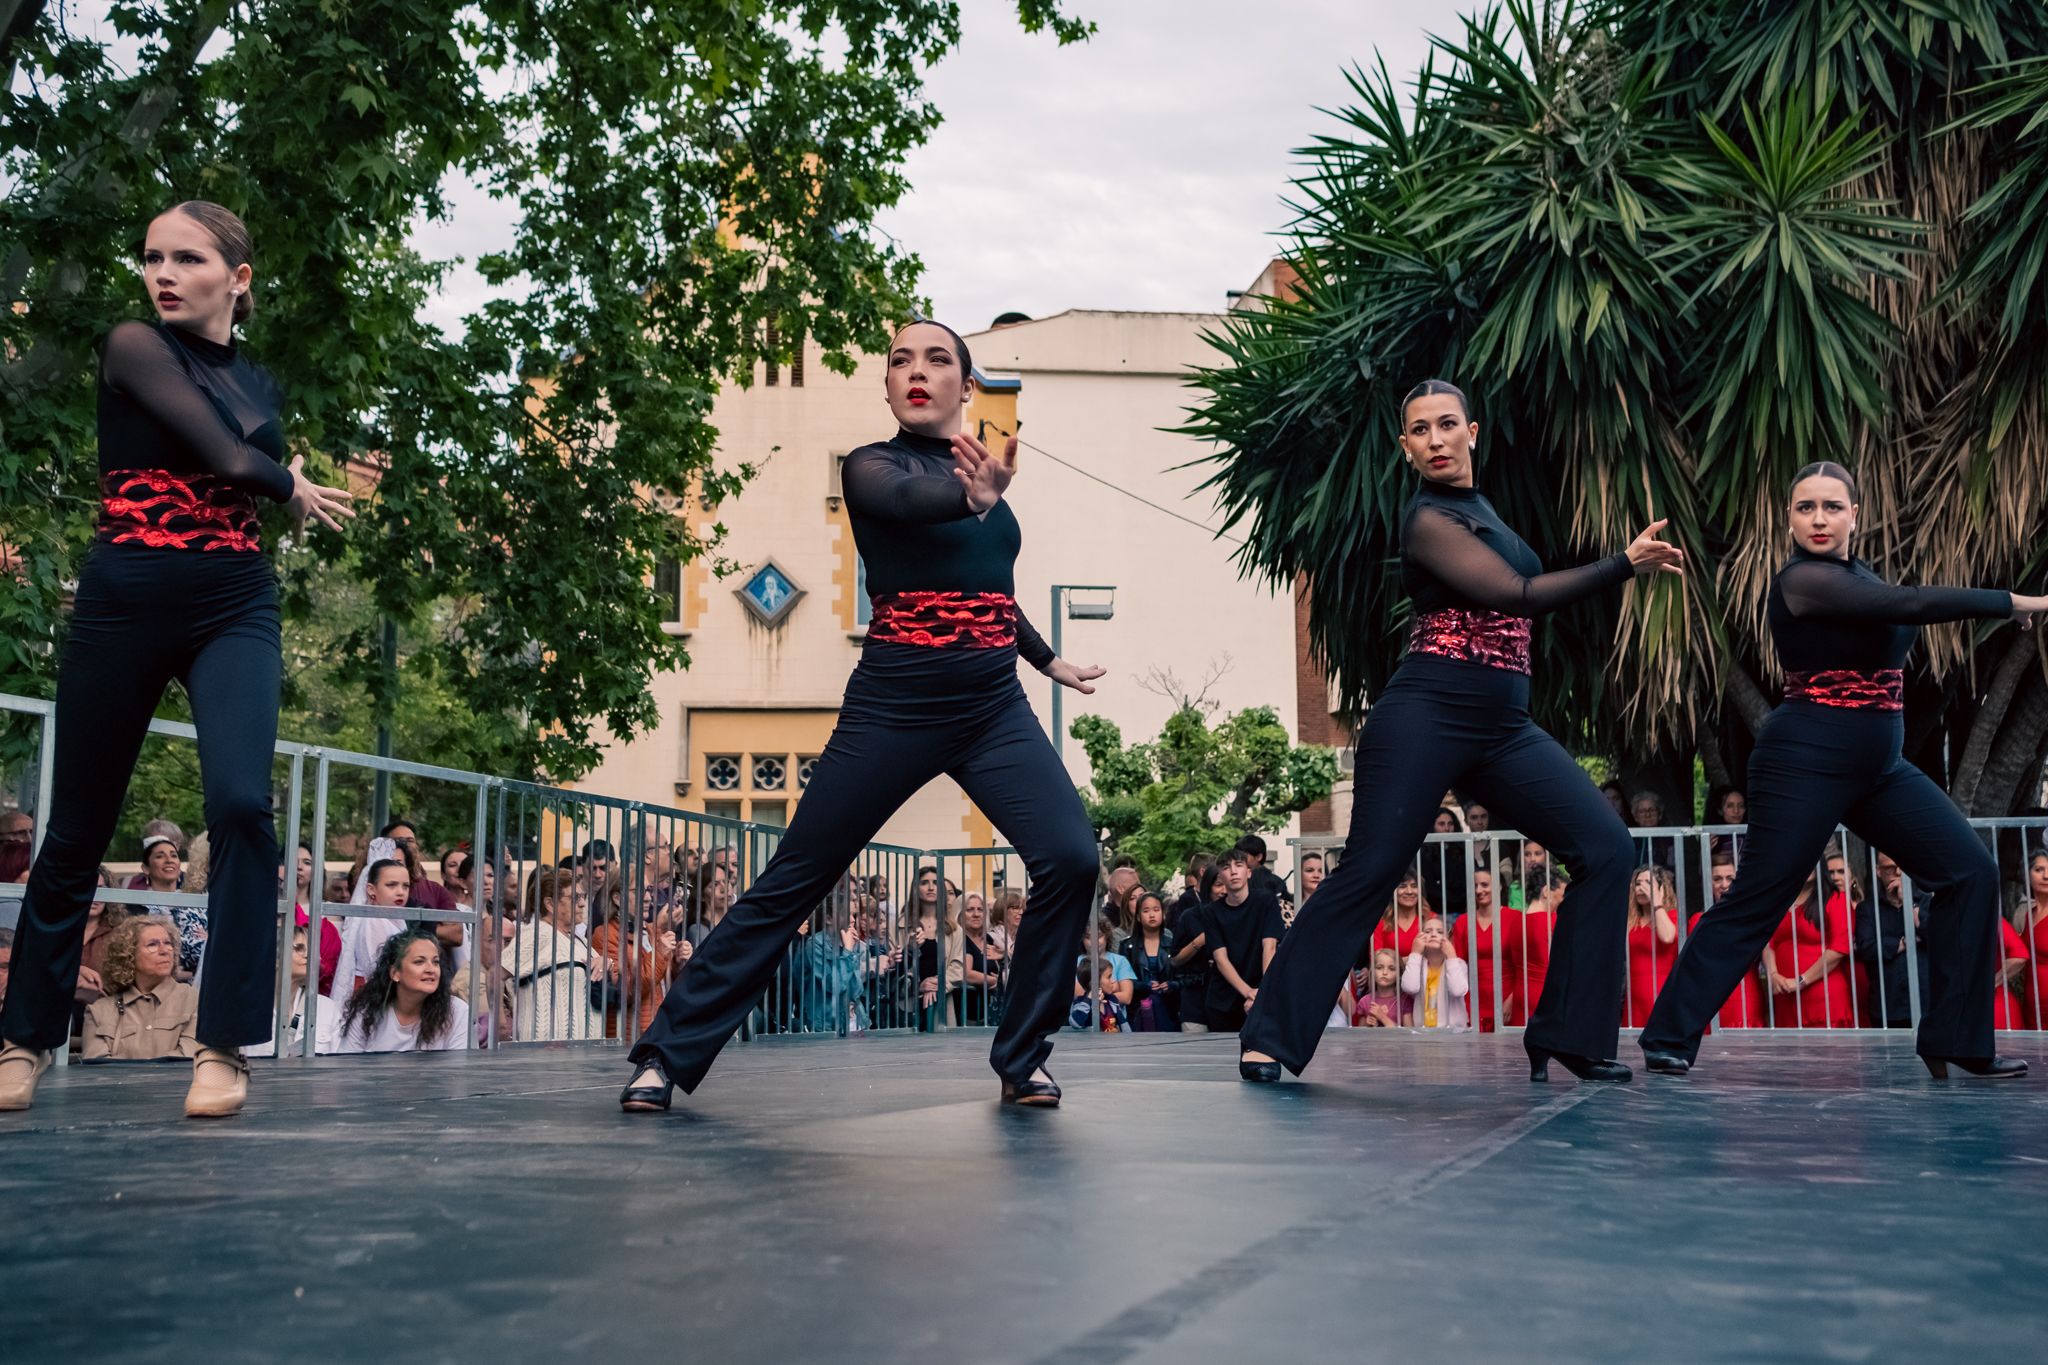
(1063, 606)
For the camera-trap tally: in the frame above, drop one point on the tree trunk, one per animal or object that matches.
(1712, 761)
(17, 17)
(1747, 698)
(2020, 655)
(2013, 756)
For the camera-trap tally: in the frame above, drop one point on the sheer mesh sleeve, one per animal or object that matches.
(1031, 646)
(138, 363)
(1819, 590)
(879, 486)
(1448, 548)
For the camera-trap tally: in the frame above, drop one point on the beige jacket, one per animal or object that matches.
(142, 1026)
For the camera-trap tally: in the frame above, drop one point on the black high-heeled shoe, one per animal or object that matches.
(1265, 1073)
(1585, 1068)
(1665, 1063)
(1039, 1094)
(1987, 1068)
(647, 1099)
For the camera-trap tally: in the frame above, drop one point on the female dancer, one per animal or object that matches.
(177, 586)
(935, 692)
(1830, 755)
(1456, 714)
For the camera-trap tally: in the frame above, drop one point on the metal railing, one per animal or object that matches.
(584, 907)
(1858, 921)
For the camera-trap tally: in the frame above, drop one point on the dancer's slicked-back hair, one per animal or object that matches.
(1828, 469)
(1431, 387)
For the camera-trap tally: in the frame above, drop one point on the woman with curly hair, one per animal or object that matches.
(405, 1004)
(147, 1013)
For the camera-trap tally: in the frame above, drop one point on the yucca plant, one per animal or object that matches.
(1674, 253)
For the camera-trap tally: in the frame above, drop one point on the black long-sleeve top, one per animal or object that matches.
(1456, 552)
(1829, 613)
(190, 436)
(171, 399)
(916, 532)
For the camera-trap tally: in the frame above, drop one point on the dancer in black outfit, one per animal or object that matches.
(1456, 714)
(176, 586)
(1830, 755)
(935, 692)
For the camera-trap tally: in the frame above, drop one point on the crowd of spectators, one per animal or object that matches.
(587, 948)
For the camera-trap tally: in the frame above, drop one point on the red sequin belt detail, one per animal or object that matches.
(1492, 638)
(1883, 689)
(162, 510)
(945, 620)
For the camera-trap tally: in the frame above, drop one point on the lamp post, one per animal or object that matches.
(1063, 606)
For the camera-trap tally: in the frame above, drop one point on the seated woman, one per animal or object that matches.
(1809, 988)
(1403, 919)
(634, 956)
(1434, 981)
(1652, 941)
(2029, 920)
(2007, 1008)
(548, 967)
(313, 1011)
(147, 1013)
(405, 1004)
(1472, 936)
(971, 967)
(1545, 883)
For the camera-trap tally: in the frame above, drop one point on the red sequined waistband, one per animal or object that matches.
(945, 620)
(1491, 638)
(168, 511)
(1883, 689)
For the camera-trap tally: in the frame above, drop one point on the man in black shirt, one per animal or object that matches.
(1240, 933)
(1880, 945)
(1263, 880)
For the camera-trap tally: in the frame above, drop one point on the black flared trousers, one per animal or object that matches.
(1816, 767)
(910, 714)
(1441, 724)
(144, 617)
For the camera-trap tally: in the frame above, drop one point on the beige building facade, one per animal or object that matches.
(1102, 501)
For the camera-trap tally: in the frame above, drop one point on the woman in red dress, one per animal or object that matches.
(1528, 940)
(1472, 937)
(2008, 1010)
(1652, 940)
(2030, 922)
(1403, 919)
(1807, 956)
(1745, 1006)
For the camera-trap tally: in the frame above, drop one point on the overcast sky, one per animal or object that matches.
(1143, 169)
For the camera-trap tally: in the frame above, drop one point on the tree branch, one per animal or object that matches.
(1991, 712)
(1748, 699)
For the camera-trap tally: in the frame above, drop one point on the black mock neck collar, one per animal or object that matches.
(924, 445)
(208, 350)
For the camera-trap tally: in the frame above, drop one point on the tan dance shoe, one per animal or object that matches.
(220, 1084)
(20, 1069)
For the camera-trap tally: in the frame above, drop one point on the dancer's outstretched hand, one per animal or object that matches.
(2026, 609)
(984, 476)
(1073, 675)
(316, 502)
(1651, 555)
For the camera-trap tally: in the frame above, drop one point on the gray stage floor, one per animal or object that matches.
(1412, 1199)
